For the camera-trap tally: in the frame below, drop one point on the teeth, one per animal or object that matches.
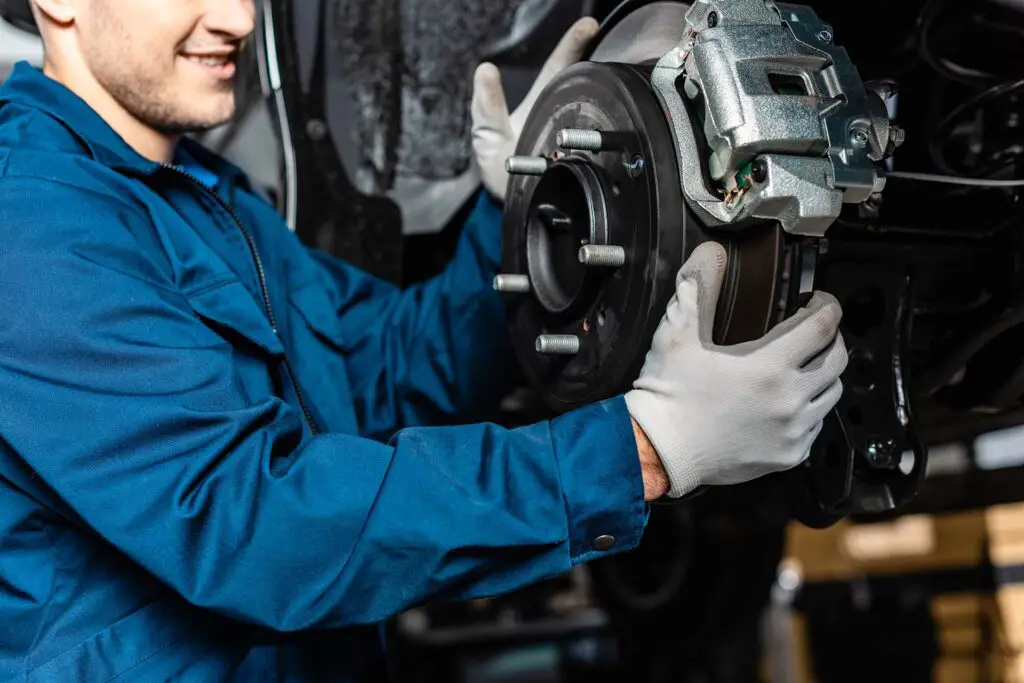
(209, 61)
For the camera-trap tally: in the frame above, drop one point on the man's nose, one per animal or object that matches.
(234, 18)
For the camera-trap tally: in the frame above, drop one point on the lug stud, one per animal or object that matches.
(578, 138)
(512, 284)
(523, 165)
(602, 255)
(558, 344)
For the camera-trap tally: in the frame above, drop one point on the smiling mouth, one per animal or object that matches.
(211, 60)
(220, 64)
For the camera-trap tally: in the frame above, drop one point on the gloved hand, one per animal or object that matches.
(495, 131)
(727, 414)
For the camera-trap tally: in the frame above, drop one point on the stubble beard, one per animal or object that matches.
(148, 90)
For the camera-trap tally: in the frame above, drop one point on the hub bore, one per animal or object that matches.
(567, 211)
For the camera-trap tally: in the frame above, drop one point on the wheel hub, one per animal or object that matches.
(598, 229)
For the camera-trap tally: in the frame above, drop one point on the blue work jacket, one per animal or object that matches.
(169, 508)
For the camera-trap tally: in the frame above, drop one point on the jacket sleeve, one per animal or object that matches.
(434, 353)
(130, 410)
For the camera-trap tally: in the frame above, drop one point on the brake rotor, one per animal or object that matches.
(581, 332)
(638, 32)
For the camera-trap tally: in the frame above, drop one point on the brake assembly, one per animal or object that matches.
(738, 121)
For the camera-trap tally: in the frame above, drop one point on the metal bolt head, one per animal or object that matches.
(881, 452)
(825, 36)
(316, 130)
(712, 19)
(635, 166)
(859, 138)
(897, 135)
(759, 170)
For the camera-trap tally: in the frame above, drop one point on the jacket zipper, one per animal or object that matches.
(264, 290)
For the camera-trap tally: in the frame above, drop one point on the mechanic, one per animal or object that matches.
(225, 456)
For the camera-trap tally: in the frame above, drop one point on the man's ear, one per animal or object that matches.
(57, 11)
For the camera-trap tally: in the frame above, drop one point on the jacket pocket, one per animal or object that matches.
(321, 366)
(315, 310)
(230, 310)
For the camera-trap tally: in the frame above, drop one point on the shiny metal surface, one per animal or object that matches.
(766, 82)
(602, 255)
(558, 344)
(575, 138)
(644, 35)
(512, 283)
(796, 193)
(526, 165)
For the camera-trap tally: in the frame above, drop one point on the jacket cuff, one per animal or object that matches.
(599, 466)
(483, 228)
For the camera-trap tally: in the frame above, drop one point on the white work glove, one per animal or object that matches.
(721, 415)
(495, 131)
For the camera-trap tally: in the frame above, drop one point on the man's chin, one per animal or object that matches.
(197, 122)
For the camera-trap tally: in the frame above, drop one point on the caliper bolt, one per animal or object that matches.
(523, 165)
(859, 138)
(578, 138)
(825, 36)
(512, 284)
(602, 255)
(712, 19)
(759, 170)
(558, 344)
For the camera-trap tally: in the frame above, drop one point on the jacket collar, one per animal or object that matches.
(28, 86)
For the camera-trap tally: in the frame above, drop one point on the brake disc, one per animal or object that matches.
(620, 200)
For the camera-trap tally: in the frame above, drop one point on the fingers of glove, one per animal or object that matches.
(568, 51)
(801, 337)
(489, 110)
(823, 404)
(676, 329)
(698, 284)
(708, 264)
(803, 449)
(824, 369)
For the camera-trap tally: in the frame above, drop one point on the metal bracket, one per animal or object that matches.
(869, 457)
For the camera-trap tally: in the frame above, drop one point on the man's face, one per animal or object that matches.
(169, 63)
